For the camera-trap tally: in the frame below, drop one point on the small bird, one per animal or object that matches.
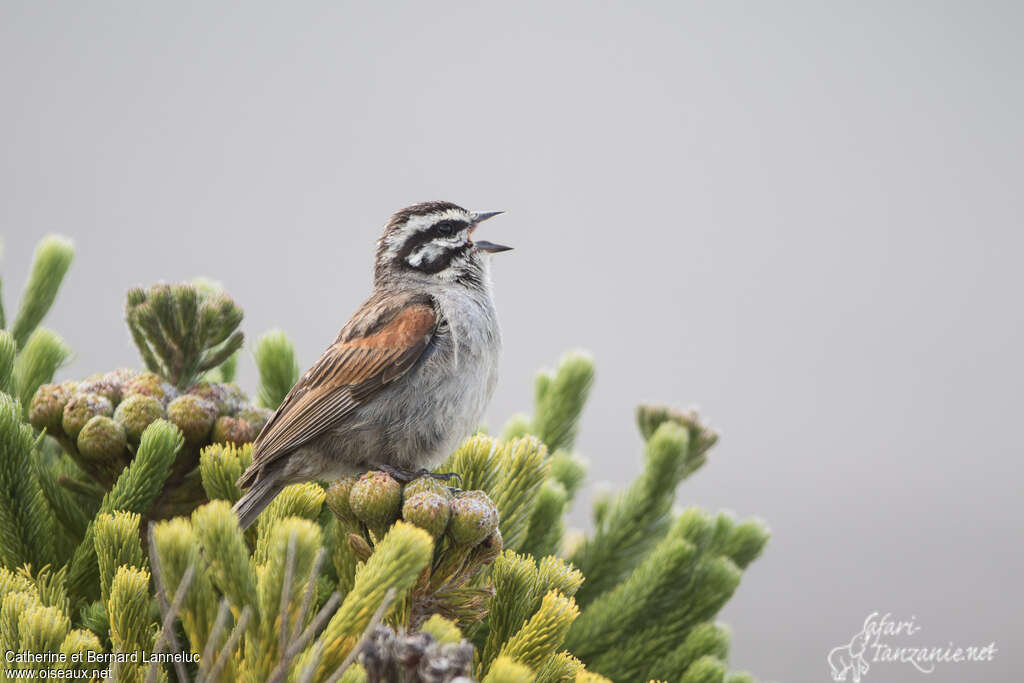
(409, 375)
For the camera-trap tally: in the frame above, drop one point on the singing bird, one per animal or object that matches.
(408, 376)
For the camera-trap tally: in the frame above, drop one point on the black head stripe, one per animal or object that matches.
(414, 242)
(422, 209)
(442, 260)
(418, 239)
(400, 242)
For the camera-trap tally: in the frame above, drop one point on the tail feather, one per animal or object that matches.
(249, 506)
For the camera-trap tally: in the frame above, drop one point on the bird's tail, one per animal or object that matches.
(249, 506)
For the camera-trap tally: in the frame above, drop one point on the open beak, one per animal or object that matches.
(483, 245)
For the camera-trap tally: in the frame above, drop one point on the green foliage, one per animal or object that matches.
(116, 537)
(52, 259)
(71, 512)
(559, 399)
(29, 355)
(640, 516)
(510, 473)
(707, 669)
(134, 491)
(546, 527)
(279, 371)
(42, 355)
(226, 553)
(543, 634)
(27, 524)
(128, 402)
(184, 330)
(225, 372)
(443, 630)
(128, 610)
(8, 351)
(176, 545)
(317, 592)
(508, 670)
(34, 618)
(521, 586)
(220, 466)
(706, 639)
(560, 667)
(394, 566)
(569, 470)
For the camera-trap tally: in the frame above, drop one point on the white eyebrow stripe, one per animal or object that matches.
(428, 251)
(419, 224)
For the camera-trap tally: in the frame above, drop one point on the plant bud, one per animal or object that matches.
(225, 397)
(122, 375)
(376, 499)
(108, 386)
(426, 485)
(150, 384)
(338, 498)
(135, 296)
(136, 412)
(47, 408)
(80, 409)
(102, 439)
(194, 416)
(232, 430)
(255, 416)
(236, 398)
(359, 547)
(650, 417)
(489, 550)
(429, 511)
(474, 518)
(117, 379)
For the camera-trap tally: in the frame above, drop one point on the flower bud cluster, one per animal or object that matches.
(376, 499)
(100, 420)
(463, 524)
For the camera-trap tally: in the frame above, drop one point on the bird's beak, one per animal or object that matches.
(483, 245)
(481, 216)
(491, 247)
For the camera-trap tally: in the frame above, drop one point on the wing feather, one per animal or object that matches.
(377, 347)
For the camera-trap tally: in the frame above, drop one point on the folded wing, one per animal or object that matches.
(377, 347)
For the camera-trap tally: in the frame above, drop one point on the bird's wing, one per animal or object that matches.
(377, 347)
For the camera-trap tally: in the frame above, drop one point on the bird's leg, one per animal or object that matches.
(443, 476)
(404, 476)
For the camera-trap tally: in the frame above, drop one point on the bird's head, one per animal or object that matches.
(434, 240)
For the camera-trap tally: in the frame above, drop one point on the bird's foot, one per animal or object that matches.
(442, 476)
(404, 476)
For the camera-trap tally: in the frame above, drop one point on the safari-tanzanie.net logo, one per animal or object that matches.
(884, 641)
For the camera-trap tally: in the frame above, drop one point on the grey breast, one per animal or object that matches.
(419, 419)
(449, 389)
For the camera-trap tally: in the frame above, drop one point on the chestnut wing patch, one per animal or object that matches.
(348, 373)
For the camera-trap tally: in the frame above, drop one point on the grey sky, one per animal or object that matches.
(804, 217)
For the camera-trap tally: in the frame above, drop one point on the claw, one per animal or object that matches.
(404, 476)
(443, 476)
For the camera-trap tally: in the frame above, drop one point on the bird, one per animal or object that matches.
(409, 375)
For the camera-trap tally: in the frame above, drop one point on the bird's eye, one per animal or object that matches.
(445, 228)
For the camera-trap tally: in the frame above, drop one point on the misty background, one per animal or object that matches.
(804, 218)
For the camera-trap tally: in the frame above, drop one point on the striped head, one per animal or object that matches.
(434, 239)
